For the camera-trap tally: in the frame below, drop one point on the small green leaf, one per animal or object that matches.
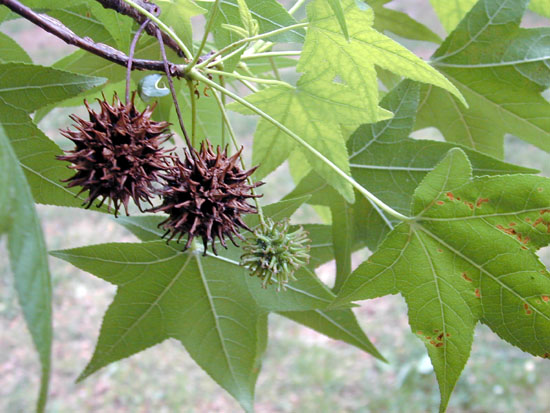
(28, 258)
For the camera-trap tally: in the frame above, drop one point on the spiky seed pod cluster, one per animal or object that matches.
(205, 196)
(118, 154)
(274, 254)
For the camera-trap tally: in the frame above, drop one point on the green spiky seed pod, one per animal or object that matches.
(274, 254)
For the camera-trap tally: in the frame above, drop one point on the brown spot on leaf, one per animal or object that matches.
(448, 335)
(527, 219)
(439, 250)
(545, 298)
(451, 196)
(527, 309)
(432, 343)
(420, 333)
(469, 204)
(544, 211)
(465, 276)
(540, 189)
(546, 356)
(481, 201)
(440, 203)
(512, 224)
(440, 337)
(478, 293)
(439, 345)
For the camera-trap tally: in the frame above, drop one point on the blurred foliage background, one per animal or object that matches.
(302, 371)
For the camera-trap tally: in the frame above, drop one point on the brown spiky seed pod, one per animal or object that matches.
(118, 154)
(205, 196)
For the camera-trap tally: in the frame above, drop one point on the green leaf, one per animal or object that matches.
(400, 23)
(177, 14)
(327, 52)
(29, 87)
(36, 154)
(502, 70)
(390, 165)
(541, 7)
(336, 7)
(25, 88)
(451, 13)
(314, 110)
(79, 18)
(466, 258)
(337, 324)
(118, 25)
(10, 51)
(28, 258)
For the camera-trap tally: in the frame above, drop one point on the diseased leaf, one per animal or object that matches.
(502, 70)
(390, 165)
(466, 258)
(28, 258)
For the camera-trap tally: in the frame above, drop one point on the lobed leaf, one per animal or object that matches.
(457, 264)
(501, 69)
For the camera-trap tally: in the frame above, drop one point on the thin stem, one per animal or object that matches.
(248, 85)
(249, 78)
(305, 144)
(275, 69)
(131, 57)
(208, 27)
(173, 91)
(230, 55)
(222, 82)
(271, 54)
(193, 110)
(296, 6)
(161, 25)
(236, 146)
(249, 39)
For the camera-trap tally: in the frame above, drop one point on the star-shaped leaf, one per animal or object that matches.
(210, 304)
(467, 256)
(501, 69)
(314, 110)
(327, 49)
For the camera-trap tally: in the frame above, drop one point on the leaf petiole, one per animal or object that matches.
(250, 79)
(247, 40)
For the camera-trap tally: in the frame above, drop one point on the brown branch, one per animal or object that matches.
(107, 52)
(151, 29)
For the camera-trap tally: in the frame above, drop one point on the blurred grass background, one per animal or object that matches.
(302, 372)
